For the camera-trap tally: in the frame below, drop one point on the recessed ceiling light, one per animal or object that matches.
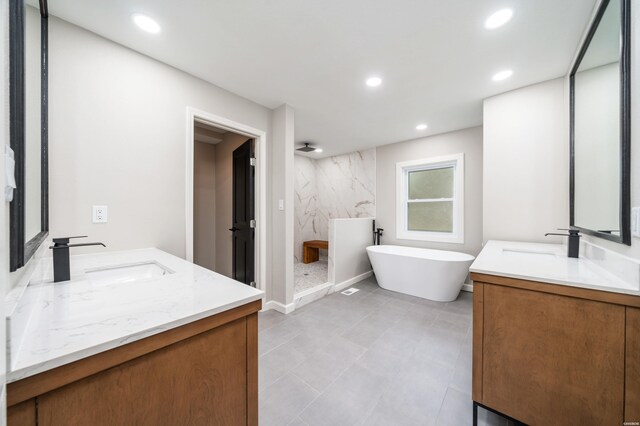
(318, 150)
(146, 23)
(421, 126)
(374, 81)
(498, 19)
(502, 75)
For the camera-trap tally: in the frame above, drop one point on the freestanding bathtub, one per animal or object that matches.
(431, 274)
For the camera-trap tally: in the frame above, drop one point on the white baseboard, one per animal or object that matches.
(315, 293)
(341, 286)
(277, 306)
(467, 287)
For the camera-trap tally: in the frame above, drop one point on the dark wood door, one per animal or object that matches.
(243, 227)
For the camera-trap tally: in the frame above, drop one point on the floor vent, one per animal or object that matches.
(350, 291)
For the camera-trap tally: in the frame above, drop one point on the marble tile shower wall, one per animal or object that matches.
(343, 186)
(305, 204)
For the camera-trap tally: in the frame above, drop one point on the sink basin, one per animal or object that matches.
(525, 251)
(127, 272)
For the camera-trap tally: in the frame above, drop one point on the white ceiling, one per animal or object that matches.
(435, 56)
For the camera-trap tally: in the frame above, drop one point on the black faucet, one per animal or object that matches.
(574, 241)
(60, 247)
(377, 234)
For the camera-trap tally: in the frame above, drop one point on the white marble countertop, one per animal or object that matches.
(55, 324)
(549, 263)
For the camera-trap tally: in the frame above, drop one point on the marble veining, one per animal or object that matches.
(549, 263)
(75, 319)
(343, 186)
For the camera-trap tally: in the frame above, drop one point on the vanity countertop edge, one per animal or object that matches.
(549, 264)
(65, 322)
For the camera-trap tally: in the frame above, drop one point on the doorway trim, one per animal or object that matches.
(260, 136)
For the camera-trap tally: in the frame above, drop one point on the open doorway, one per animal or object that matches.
(222, 124)
(224, 202)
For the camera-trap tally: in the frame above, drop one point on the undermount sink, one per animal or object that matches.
(525, 251)
(128, 272)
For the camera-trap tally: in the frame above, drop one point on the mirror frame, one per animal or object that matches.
(625, 124)
(20, 250)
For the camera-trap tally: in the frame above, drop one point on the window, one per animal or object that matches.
(430, 198)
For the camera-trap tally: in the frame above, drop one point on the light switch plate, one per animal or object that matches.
(635, 222)
(280, 204)
(99, 214)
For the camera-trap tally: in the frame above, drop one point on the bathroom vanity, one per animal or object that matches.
(136, 337)
(555, 340)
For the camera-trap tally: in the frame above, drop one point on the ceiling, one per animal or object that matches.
(435, 57)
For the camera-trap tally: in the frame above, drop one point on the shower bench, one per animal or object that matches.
(311, 250)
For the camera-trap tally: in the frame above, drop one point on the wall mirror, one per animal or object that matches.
(600, 127)
(29, 219)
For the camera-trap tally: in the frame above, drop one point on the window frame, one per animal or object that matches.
(402, 198)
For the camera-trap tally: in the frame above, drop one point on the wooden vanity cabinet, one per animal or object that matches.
(548, 354)
(203, 373)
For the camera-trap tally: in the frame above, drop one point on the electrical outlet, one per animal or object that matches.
(99, 214)
(635, 222)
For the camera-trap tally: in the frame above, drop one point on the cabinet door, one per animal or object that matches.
(198, 381)
(23, 414)
(632, 382)
(550, 359)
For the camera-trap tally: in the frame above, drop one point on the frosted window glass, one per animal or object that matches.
(432, 217)
(429, 184)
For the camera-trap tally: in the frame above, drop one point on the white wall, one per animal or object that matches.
(348, 241)
(117, 137)
(4, 222)
(281, 183)
(526, 163)
(467, 141)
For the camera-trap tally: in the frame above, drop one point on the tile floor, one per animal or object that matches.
(373, 358)
(309, 275)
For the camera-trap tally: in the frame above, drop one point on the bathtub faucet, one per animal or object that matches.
(377, 234)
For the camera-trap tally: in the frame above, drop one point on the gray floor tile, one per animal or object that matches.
(269, 319)
(327, 363)
(395, 343)
(440, 345)
(297, 422)
(461, 379)
(274, 336)
(275, 363)
(487, 418)
(456, 409)
(376, 357)
(382, 362)
(281, 402)
(347, 400)
(365, 332)
(409, 401)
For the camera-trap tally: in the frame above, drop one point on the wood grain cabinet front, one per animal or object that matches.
(546, 358)
(632, 367)
(207, 378)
